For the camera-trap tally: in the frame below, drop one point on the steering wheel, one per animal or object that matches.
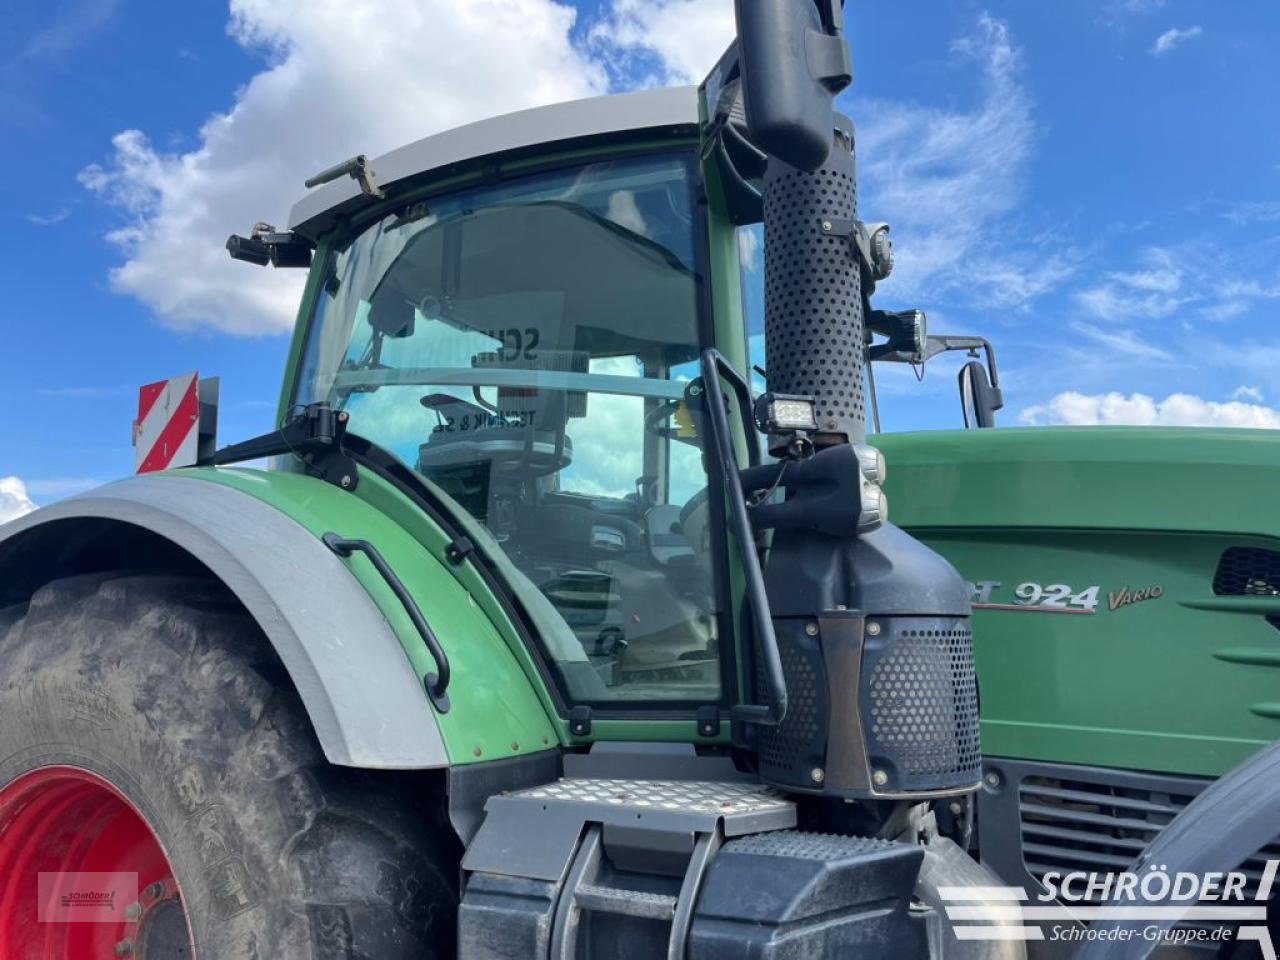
(655, 422)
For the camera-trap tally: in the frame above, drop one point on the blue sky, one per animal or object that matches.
(1093, 185)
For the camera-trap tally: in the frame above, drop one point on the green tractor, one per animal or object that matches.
(546, 635)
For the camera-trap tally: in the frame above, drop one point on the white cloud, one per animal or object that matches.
(1164, 282)
(942, 177)
(1014, 279)
(14, 501)
(1175, 410)
(1226, 310)
(686, 36)
(1254, 211)
(1160, 281)
(1247, 393)
(1149, 293)
(74, 25)
(949, 181)
(1109, 303)
(48, 219)
(1116, 13)
(1122, 341)
(1255, 361)
(345, 78)
(67, 26)
(1250, 289)
(341, 78)
(1174, 37)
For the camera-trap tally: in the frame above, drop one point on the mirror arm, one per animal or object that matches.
(942, 343)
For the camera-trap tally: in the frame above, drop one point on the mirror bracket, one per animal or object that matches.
(267, 245)
(870, 242)
(827, 57)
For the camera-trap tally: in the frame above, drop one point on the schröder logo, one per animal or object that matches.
(1147, 904)
(84, 897)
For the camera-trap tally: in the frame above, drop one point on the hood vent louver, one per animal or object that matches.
(1247, 572)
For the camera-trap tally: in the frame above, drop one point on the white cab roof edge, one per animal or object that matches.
(575, 119)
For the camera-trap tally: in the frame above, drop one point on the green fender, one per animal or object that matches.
(350, 649)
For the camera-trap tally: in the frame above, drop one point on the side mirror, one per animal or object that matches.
(793, 60)
(979, 400)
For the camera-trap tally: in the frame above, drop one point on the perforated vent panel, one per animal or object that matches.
(921, 705)
(1247, 572)
(789, 751)
(813, 298)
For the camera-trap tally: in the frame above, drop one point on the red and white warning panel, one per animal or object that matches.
(175, 422)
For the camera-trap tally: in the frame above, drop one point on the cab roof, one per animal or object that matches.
(673, 110)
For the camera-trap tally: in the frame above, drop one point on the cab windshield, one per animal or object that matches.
(526, 348)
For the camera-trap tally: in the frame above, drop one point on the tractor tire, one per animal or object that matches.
(164, 695)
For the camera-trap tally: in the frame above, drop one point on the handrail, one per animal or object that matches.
(713, 366)
(435, 683)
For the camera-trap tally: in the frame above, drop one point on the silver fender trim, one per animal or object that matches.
(352, 674)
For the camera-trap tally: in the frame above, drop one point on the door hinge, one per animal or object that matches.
(708, 721)
(580, 721)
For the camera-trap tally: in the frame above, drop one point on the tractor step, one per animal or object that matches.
(587, 868)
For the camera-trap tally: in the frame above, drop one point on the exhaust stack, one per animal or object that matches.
(813, 290)
(872, 626)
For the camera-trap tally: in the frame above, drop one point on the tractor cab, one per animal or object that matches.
(525, 346)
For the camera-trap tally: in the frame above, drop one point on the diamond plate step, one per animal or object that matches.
(533, 832)
(692, 797)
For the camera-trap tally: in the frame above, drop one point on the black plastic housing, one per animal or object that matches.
(789, 894)
(873, 634)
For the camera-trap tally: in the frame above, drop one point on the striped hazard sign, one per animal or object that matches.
(167, 431)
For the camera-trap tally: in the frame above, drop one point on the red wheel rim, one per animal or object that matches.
(67, 822)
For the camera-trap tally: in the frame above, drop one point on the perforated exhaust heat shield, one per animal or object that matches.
(813, 294)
